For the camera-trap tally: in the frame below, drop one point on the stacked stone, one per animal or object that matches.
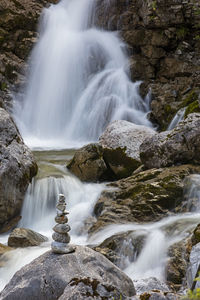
(61, 236)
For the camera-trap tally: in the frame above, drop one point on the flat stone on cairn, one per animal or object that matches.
(60, 236)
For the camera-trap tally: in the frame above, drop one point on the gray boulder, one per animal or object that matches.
(17, 167)
(178, 146)
(191, 273)
(52, 276)
(22, 237)
(121, 141)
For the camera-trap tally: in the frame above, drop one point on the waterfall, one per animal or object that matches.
(177, 118)
(78, 82)
(39, 207)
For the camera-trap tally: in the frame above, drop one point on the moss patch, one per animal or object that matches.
(118, 161)
(192, 107)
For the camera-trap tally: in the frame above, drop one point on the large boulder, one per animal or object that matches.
(17, 167)
(143, 197)
(116, 156)
(22, 237)
(178, 146)
(84, 274)
(88, 164)
(121, 142)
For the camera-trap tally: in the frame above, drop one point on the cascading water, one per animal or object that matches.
(78, 84)
(78, 81)
(177, 118)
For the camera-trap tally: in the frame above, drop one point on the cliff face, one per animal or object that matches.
(163, 38)
(18, 26)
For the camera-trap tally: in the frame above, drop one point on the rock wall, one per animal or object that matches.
(163, 38)
(18, 26)
(17, 167)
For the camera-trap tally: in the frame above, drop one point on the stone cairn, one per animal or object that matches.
(61, 236)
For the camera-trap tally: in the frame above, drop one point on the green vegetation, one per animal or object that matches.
(191, 97)
(182, 32)
(192, 107)
(3, 86)
(154, 5)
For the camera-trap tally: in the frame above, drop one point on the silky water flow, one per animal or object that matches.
(78, 82)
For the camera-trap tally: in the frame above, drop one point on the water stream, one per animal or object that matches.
(78, 83)
(39, 211)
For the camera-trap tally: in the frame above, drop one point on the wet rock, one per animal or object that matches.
(143, 197)
(4, 249)
(149, 284)
(17, 167)
(177, 264)
(196, 236)
(88, 164)
(22, 237)
(178, 146)
(122, 248)
(52, 276)
(10, 224)
(121, 141)
(3, 254)
(193, 266)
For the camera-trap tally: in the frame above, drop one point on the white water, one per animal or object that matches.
(39, 209)
(38, 212)
(78, 81)
(193, 192)
(160, 236)
(177, 118)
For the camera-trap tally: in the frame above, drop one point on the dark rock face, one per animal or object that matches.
(143, 197)
(17, 167)
(18, 25)
(195, 239)
(22, 237)
(163, 42)
(178, 146)
(88, 164)
(82, 273)
(177, 264)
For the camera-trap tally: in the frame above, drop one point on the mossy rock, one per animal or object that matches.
(118, 161)
(190, 98)
(192, 107)
(143, 197)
